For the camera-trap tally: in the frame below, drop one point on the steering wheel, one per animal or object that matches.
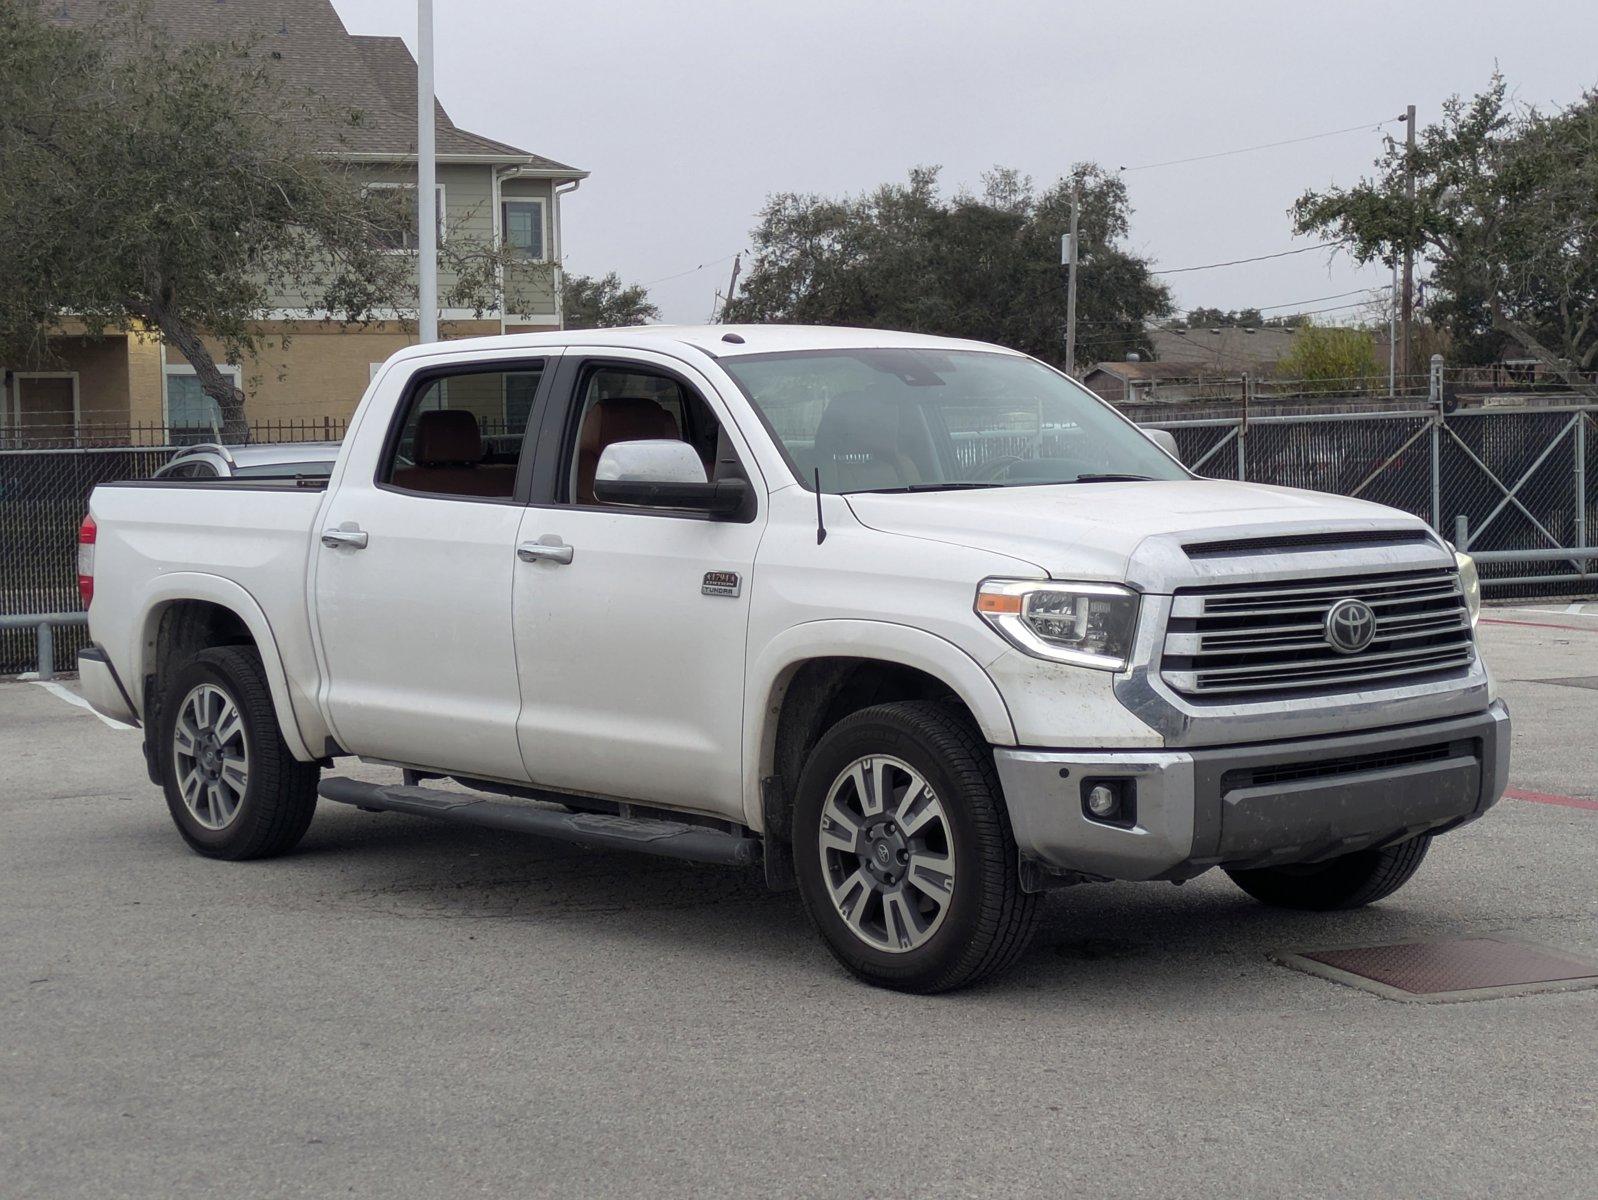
(995, 467)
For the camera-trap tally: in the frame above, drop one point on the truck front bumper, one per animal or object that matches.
(1255, 805)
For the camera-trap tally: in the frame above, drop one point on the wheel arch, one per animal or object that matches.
(814, 674)
(188, 611)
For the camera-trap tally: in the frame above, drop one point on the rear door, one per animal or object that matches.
(632, 650)
(414, 566)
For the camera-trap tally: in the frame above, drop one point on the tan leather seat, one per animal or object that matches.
(448, 452)
(622, 419)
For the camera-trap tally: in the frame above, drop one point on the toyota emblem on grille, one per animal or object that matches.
(1350, 626)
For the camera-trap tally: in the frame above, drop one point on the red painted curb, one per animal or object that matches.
(1545, 798)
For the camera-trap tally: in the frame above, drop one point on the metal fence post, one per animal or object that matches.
(1437, 473)
(1461, 532)
(1581, 481)
(1242, 431)
(46, 651)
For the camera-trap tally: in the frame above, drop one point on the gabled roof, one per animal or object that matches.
(372, 76)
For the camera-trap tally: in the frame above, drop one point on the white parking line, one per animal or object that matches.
(77, 701)
(1574, 608)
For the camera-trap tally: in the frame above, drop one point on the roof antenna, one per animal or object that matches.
(821, 524)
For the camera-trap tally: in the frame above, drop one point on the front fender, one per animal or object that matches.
(214, 589)
(771, 672)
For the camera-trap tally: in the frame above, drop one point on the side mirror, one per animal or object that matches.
(663, 474)
(1165, 440)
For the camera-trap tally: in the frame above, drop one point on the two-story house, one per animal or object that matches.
(120, 386)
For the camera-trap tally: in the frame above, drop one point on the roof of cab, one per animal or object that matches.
(712, 340)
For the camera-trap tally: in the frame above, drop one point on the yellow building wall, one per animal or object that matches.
(304, 373)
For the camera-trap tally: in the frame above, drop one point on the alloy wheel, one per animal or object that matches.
(887, 854)
(211, 754)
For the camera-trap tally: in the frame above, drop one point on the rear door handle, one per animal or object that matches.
(355, 539)
(548, 548)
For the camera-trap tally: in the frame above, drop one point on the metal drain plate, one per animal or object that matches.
(1450, 969)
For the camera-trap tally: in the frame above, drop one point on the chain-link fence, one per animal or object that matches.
(44, 494)
(1517, 486)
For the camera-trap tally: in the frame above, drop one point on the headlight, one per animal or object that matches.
(1469, 583)
(1090, 624)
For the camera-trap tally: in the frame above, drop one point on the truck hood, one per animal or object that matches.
(1093, 530)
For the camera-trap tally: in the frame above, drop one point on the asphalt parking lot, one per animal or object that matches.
(403, 1009)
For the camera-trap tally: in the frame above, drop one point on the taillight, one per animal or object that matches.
(86, 534)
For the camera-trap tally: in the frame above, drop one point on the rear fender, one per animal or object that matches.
(214, 589)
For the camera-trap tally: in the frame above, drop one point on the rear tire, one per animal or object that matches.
(234, 789)
(1352, 881)
(913, 881)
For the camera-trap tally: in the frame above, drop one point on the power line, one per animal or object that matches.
(1237, 261)
(715, 262)
(1173, 162)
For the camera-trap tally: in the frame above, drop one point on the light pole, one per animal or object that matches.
(426, 180)
(1069, 257)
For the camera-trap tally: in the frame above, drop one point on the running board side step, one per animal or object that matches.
(595, 831)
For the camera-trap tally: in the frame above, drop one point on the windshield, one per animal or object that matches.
(924, 420)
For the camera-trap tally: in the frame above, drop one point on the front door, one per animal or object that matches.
(415, 563)
(632, 652)
(47, 406)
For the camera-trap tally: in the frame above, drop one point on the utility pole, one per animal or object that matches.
(732, 284)
(426, 179)
(1407, 316)
(1069, 257)
(1392, 334)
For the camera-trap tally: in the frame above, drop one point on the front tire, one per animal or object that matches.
(234, 789)
(1352, 881)
(903, 849)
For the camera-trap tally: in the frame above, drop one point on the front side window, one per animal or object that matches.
(523, 223)
(898, 420)
(626, 404)
(461, 434)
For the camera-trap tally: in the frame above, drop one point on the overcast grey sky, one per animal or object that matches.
(689, 113)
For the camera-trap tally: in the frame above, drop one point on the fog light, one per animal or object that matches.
(1102, 801)
(1111, 801)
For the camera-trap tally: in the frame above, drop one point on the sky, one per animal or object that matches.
(689, 113)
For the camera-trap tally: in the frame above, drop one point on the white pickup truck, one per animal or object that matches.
(919, 625)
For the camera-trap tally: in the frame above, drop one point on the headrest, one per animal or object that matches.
(448, 436)
(626, 419)
(858, 423)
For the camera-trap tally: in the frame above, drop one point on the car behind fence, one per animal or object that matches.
(1516, 487)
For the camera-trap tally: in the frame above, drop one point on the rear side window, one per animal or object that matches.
(462, 434)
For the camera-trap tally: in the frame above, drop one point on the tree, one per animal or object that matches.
(986, 267)
(180, 186)
(1504, 217)
(604, 303)
(1329, 358)
(1215, 318)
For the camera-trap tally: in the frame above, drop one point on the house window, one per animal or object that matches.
(393, 214)
(523, 223)
(191, 415)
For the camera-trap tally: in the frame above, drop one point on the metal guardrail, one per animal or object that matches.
(43, 624)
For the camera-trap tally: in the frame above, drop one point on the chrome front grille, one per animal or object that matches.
(1256, 641)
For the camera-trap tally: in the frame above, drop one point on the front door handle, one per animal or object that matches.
(548, 548)
(355, 539)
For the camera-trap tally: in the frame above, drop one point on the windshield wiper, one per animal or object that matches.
(1111, 477)
(951, 486)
